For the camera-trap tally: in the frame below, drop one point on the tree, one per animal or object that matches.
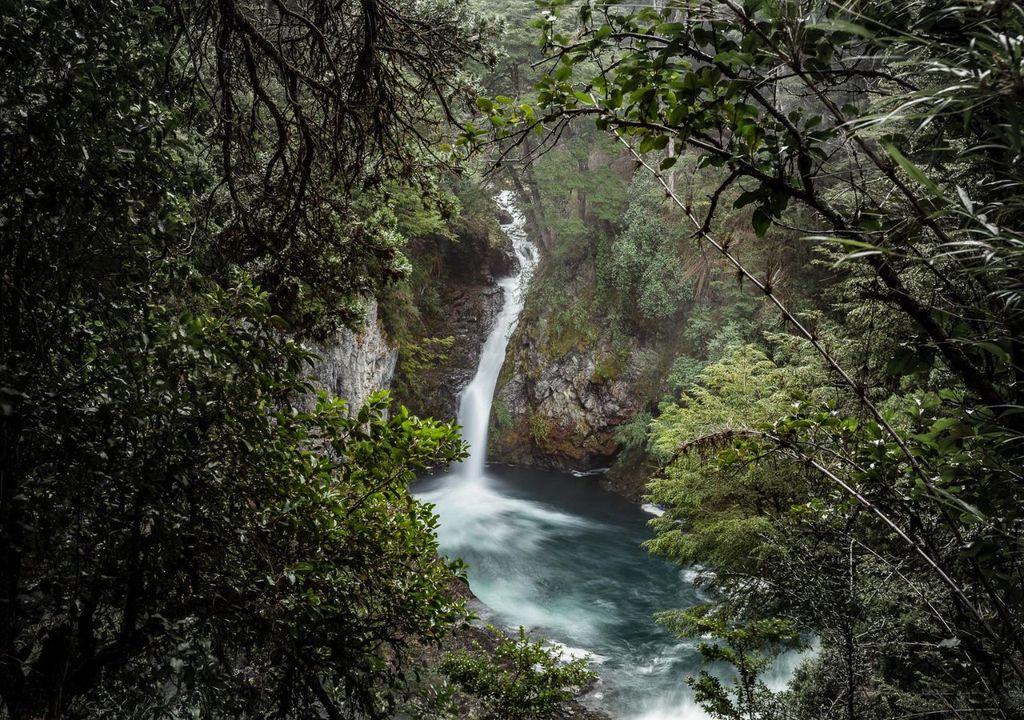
(731, 520)
(312, 109)
(521, 680)
(184, 528)
(749, 649)
(887, 133)
(642, 265)
(194, 531)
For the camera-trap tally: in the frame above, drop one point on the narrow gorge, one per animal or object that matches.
(511, 360)
(555, 552)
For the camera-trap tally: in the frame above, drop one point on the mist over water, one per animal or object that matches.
(563, 557)
(556, 553)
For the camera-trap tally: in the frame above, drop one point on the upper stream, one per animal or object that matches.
(556, 553)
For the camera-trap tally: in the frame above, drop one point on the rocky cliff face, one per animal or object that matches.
(561, 411)
(576, 370)
(472, 314)
(422, 340)
(352, 365)
(464, 301)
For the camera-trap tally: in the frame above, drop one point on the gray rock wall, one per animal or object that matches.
(473, 311)
(352, 365)
(562, 411)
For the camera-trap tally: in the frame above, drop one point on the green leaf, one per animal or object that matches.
(749, 197)
(583, 97)
(838, 25)
(761, 221)
(912, 170)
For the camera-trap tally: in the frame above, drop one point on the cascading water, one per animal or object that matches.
(558, 554)
(475, 403)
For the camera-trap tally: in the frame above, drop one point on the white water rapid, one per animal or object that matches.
(558, 554)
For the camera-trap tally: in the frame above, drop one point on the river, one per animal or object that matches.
(560, 555)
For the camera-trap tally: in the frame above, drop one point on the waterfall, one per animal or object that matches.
(562, 556)
(475, 402)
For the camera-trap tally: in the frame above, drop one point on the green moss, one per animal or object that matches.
(501, 418)
(552, 439)
(540, 428)
(607, 369)
(568, 327)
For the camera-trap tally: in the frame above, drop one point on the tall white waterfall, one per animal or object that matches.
(475, 402)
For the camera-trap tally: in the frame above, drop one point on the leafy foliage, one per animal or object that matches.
(199, 533)
(643, 267)
(186, 527)
(888, 135)
(749, 649)
(521, 680)
(729, 520)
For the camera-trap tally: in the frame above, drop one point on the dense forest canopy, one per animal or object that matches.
(793, 226)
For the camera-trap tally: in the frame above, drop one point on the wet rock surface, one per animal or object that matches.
(561, 412)
(472, 314)
(467, 302)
